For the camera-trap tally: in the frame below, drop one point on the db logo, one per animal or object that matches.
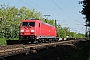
(27, 30)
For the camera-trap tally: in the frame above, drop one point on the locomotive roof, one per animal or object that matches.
(47, 24)
(29, 20)
(36, 19)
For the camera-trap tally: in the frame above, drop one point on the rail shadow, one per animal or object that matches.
(62, 52)
(11, 42)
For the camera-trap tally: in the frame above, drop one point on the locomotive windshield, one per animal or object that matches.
(28, 24)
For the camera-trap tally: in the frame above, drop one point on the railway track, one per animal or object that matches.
(21, 45)
(10, 46)
(11, 50)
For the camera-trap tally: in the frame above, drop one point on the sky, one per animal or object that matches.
(66, 12)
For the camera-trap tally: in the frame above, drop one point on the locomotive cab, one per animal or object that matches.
(27, 31)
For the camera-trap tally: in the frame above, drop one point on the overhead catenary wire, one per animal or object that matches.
(36, 4)
(68, 12)
(25, 3)
(56, 5)
(65, 13)
(63, 10)
(64, 6)
(33, 3)
(32, 6)
(59, 7)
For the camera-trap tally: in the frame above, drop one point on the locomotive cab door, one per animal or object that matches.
(39, 31)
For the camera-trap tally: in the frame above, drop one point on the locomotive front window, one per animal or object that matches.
(28, 24)
(32, 23)
(24, 23)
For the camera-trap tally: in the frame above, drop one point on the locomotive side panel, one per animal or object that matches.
(44, 30)
(48, 31)
(53, 31)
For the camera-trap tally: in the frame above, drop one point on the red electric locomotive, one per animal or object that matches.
(35, 30)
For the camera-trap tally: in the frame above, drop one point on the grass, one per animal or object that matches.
(2, 41)
(12, 39)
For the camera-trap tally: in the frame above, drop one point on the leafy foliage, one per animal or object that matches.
(10, 18)
(86, 12)
(86, 9)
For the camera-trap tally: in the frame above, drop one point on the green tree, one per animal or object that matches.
(86, 12)
(11, 18)
(86, 9)
(72, 34)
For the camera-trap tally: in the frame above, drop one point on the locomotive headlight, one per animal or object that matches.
(22, 30)
(32, 30)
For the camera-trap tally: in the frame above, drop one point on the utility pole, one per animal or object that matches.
(1, 26)
(55, 23)
(86, 32)
(46, 17)
(56, 26)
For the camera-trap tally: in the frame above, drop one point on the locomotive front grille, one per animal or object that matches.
(27, 38)
(32, 37)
